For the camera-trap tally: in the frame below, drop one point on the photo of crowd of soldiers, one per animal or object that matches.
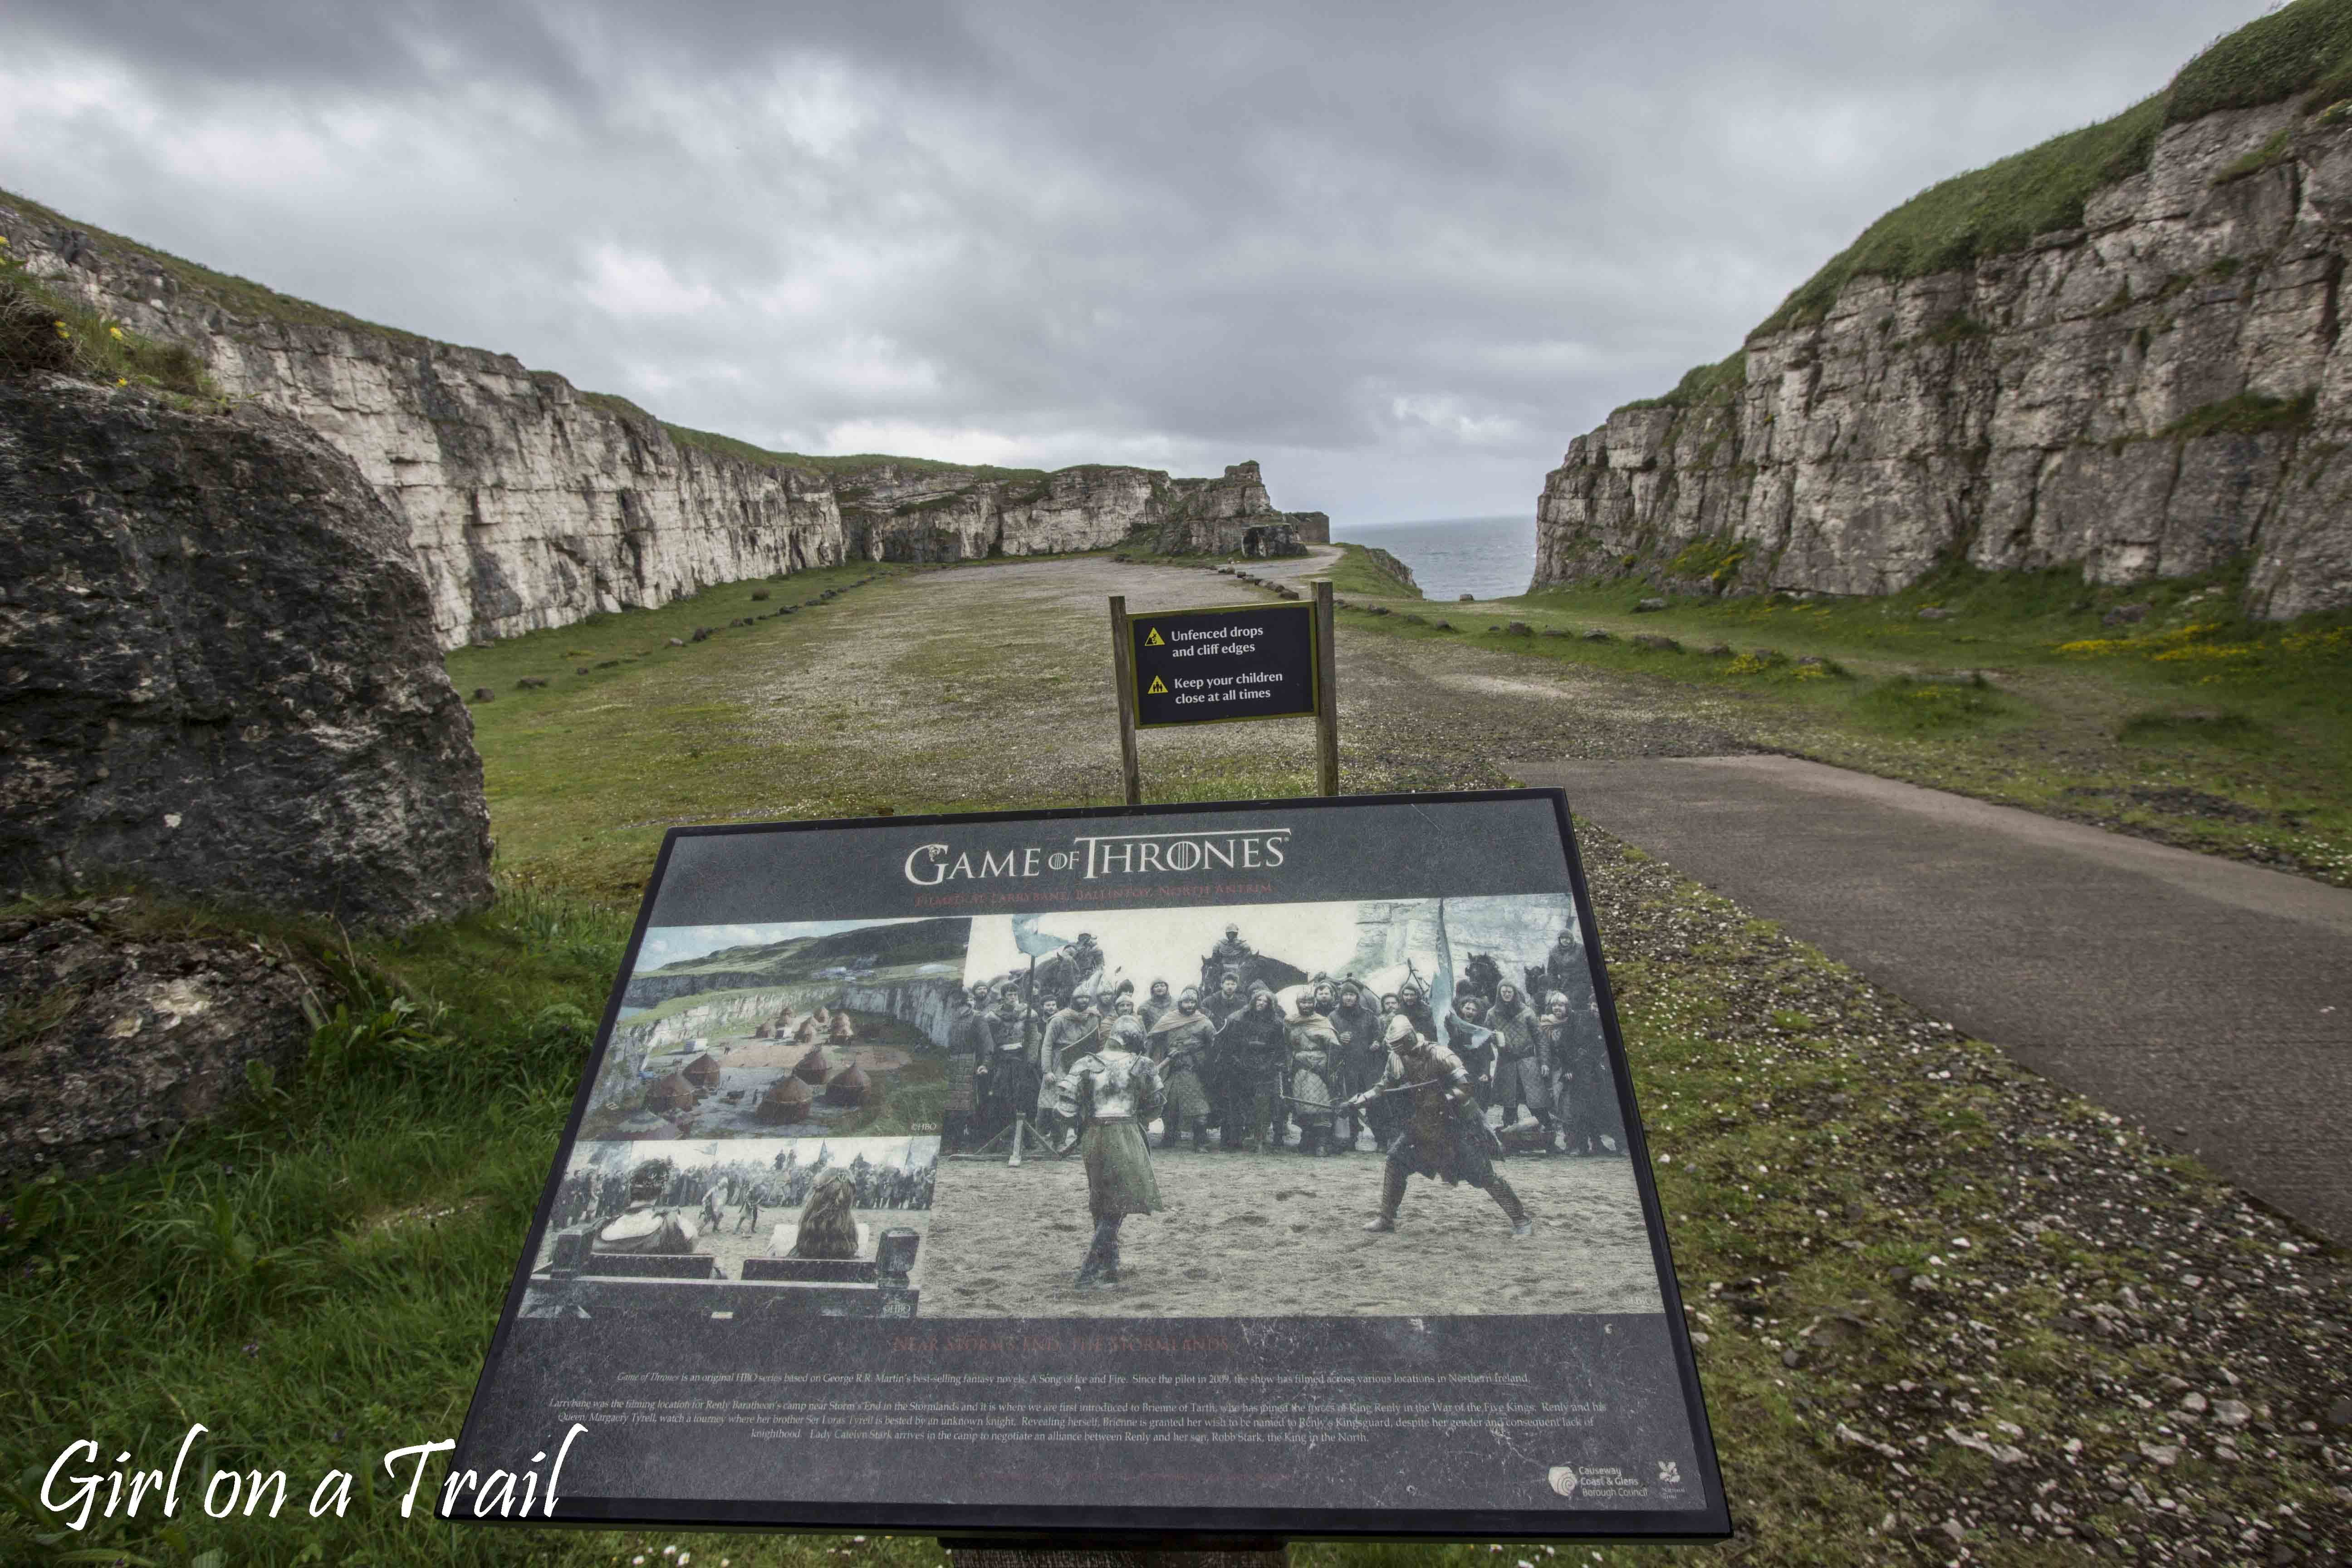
(661, 1205)
(1441, 1080)
(1241, 1070)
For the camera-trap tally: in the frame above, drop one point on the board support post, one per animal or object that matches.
(1082, 1551)
(1130, 768)
(1327, 695)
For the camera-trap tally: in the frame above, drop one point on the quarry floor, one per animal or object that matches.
(1898, 1246)
(2209, 1001)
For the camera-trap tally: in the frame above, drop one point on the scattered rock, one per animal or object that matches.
(1378, 610)
(677, 642)
(1445, 626)
(1999, 1453)
(1555, 632)
(701, 633)
(2339, 1414)
(1469, 598)
(1655, 640)
(1520, 629)
(1645, 607)
(2123, 615)
(483, 694)
(2231, 1412)
(2193, 1402)
(531, 683)
(758, 595)
(581, 670)
(2164, 1455)
(1596, 635)
(1718, 650)
(608, 664)
(1935, 612)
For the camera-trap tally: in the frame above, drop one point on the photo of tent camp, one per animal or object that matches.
(738, 1227)
(783, 1030)
(1265, 1178)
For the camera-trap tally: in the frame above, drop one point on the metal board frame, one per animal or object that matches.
(1094, 1520)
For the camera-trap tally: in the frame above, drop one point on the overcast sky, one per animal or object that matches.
(1401, 253)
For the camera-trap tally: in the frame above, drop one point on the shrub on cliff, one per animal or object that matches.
(43, 330)
(1701, 385)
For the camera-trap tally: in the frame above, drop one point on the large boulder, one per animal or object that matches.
(111, 1041)
(218, 671)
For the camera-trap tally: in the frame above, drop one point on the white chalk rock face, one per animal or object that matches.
(2054, 406)
(533, 504)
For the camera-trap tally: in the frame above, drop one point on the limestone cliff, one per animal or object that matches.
(1232, 516)
(533, 504)
(895, 512)
(2158, 390)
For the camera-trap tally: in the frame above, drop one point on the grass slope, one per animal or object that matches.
(2302, 49)
(2193, 725)
(920, 941)
(1368, 570)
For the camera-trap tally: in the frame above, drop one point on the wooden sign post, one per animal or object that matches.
(1326, 696)
(1122, 658)
(1222, 665)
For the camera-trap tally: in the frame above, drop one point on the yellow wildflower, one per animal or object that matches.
(114, 332)
(61, 331)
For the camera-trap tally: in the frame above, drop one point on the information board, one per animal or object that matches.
(1386, 1261)
(1201, 666)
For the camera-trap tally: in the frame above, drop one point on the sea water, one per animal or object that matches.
(1489, 557)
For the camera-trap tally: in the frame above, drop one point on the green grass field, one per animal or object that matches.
(2193, 725)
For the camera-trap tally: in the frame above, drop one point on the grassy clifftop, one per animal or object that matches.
(2304, 49)
(102, 353)
(744, 451)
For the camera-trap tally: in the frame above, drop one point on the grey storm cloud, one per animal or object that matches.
(1401, 253)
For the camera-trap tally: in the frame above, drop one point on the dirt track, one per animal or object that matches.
(1279, 1235)
(954, 656)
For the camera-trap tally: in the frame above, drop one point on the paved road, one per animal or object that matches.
(2209, 1000)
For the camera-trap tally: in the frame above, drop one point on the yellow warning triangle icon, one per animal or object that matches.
(1158, 687)
(1153, 639)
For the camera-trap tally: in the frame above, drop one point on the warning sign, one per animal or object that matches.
(1202, 667)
